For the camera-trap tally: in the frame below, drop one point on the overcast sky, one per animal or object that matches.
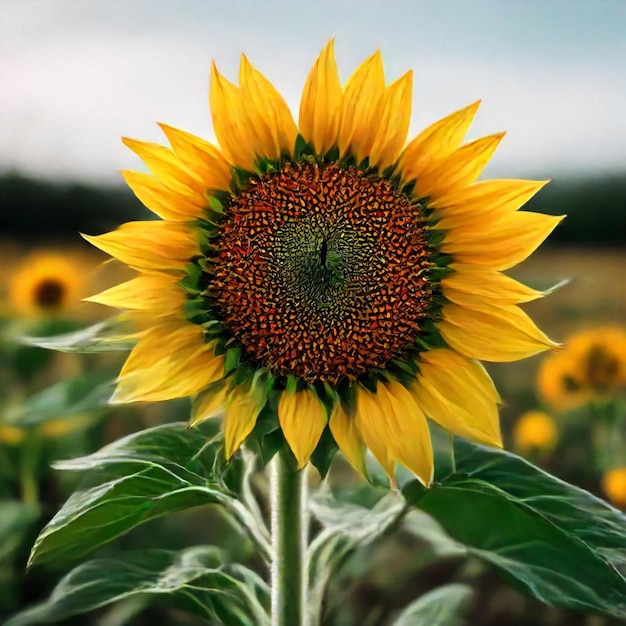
(77, 75)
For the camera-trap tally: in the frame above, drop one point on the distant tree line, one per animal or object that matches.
(595, 209)
(34, 209)
(46, 210)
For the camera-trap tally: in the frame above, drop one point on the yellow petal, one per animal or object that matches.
(501, 244)
(320, 106)
(459, 395)
(160, 340)
(171, 360)
(209, 403)
(244, 406)
(394, 123)
(472, 285)
(458, 170)
(408, 430)
(201, 157)
(486, 200)
(436, 142)
(239, 139)
(503, 333)
(462, 372)
(345, 433)
(394, 428)
(362, 107)
(166, 166)
(154, 293)
(150, 245)
(302, 419)
(163, 201)
(169, 379)
(268, 111)
(370, 422)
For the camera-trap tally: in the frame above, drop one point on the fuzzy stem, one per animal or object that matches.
(289, 528)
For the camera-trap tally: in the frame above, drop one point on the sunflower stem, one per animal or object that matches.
(289, 539)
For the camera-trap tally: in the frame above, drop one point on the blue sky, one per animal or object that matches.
(78, 75)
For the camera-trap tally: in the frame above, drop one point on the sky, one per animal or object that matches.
(77, 75)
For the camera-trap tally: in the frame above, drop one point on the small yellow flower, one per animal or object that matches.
(45, 283)
(592, 366)
(11, 435)
(614, 486)
(535, 430)
(65, 426)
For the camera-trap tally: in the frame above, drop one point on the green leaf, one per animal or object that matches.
(267, 437)
(581, 514)
(440, 607)
(346, 527)
(436, 543)
(237, 474)
(231, 362)
(110, 335)
(194, 580)
(546, 538)
(324, 453)
(84, 394)
(145, 475)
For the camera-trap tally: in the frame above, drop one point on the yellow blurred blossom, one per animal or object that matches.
(46, 283)
(12, 435)
(534, 430)
(614, 486)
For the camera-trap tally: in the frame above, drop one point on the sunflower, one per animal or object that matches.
(327, 277)
(592, 366)
(45, 283)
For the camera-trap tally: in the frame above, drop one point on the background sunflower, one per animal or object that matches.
(46, 284)
(591, 367)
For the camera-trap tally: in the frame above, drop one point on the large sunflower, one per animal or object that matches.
(327, 274)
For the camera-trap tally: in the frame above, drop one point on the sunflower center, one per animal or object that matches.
(321, 271)
(49, 294)
(602, 368)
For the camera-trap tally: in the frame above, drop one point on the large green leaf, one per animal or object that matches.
(194, 580)
(111, 335)
(581, 514)
(145, 475)
(545, 537)
(84, 394)
(440, 607)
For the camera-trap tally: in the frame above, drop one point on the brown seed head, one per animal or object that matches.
(321, 271)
